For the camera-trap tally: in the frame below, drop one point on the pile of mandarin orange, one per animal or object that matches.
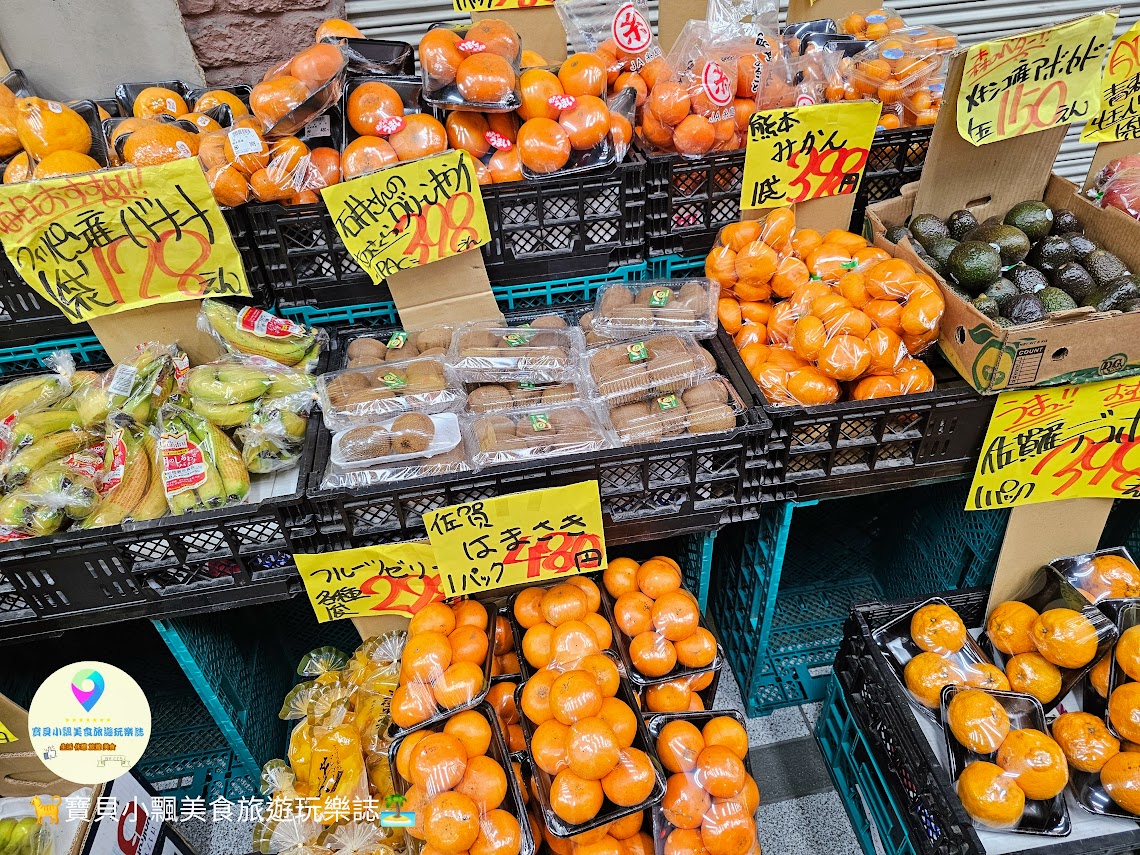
(562, 623)
(809, 312)
(506, 661)
(443, 660)
(940, 634)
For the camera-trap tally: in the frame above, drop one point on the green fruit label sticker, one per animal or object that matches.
(659, 297)
(667, 402)
(539, 422)
(516, 339)
(527, 386)
(397, 340)
(849, 265)
(393, 380)
(637, 351)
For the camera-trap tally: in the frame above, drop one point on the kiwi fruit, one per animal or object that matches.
(525, 397)
(489, 399)
(365, 346)
(615, 297)
(425, 369)
(342, 386)
(433, 351)
(570, 419)
(406, 351)
(646, 294)
(594, 339)
(673, 420)
(368, 396)
(695, 296)
(432, 338)
(365, 361)
(365, 443)
(711, 418)
(672, 371)
(396, 382)
(704, 362)
(635, 423)
(491, 430)
(662, 343)
(708, 392)
(476, 342)
(549, 322)
(412, 433)
(560, 394)
(586, 322)
(635, 315)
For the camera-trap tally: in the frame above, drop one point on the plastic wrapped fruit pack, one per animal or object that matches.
(40, 138)
(398, 345)
(618, 33)
(516, 395)
(534, 434)
(362, 395)
(472, 66)
(545, 350)
(708, 406)
(627, 371)
(810, 312)
(298, 90)
(388, 126)
(634, 311)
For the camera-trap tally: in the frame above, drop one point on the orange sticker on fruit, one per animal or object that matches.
(106, 242)
(497, 5)
(1061, 442)
(799, 153)
(1033, 81)
(518, 538)
(396, 578)
(1119, 116)
(410, 214)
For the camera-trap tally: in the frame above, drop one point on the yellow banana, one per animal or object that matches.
(153, 503)
(44, 451)
(231, 385)
(231, 467)
(117, 503)
(224, 320)
(41, 390)
(34, 426)
(224, 415)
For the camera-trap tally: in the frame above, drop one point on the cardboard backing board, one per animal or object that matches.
(21, 771)
(370, 627)
(540, 29)
(823, 215)
(813, 10)
(672, 15)
(453, 290)
(121, 333)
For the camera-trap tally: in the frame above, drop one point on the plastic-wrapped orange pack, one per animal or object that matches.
(810, 312)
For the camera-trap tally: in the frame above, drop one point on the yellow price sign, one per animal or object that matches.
(1061, 442)
(497, 5)
(518, 538)
(110, 241)
(799, 153)
(6, 736)
(396, 579)
(1119, 116)
(1033, 81)
(411, 214)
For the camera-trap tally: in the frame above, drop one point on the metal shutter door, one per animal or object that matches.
(972, 20)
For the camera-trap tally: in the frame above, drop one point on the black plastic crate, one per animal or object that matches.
(932, 819)
(690, 200)
(862, 446)
(689, 484)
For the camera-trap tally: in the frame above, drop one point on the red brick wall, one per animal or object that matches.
(237, 40)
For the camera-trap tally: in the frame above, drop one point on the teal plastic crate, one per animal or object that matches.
(783, 584)
(675, 266)
(696, 565)
(553, 292)
(85, 350)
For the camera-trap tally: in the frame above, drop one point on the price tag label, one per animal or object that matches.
(6, 736)
(411, 214)
(799, 153)
(519, 538)
(111, 241)
(1062, 442)
(496, 5)
(396, 579)
(1033, 81)
(1119, 116)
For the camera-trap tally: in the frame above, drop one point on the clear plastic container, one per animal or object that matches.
(358, 396)
(408, 436)
(472, 66)
(522, 395)
(534, 434)
(397, 345)
(635, 311)
(1106, 575)
(876, 24)
(481, 353)
(710, 406)
(628, 371)
(893, 65)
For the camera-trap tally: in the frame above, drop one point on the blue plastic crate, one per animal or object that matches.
(784, 584)
(696, 565)
(85, 350)
(675, 266)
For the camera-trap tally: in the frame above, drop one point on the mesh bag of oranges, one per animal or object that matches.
(294, 92)
(445, 664)
(618, 33)
(472, 66)
(387, 126)
(710, 795)
(458, 780)
(810, 312)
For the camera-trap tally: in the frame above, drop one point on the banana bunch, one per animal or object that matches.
(201, 467)
(52, 495)
(32, 393)
(255, 332)
(137, 387)
(23, 837)
(24, 460)
(132, 487)
(273, 437)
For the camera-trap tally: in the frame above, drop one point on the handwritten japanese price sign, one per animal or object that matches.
(411, 214)
(519, 538)
(1063, 442)
(800, 153)
(495, 5)
(1034, 81)
(110, 241)
(398, 579)
(1119, 116)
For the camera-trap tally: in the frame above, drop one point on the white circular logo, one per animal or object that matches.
(631, 30)
(717, 84)
(89, 722)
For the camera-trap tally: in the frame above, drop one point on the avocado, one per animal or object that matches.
(1028, 280)
(1033, 218)
(934, 264)
(995, 220)
(1056, 300)
(974, 266)
(1050, 254)
(1104, 266)
(1113, 296)
(896, 234)
(925, 227)
(1081, 245)
(960, 223)
(1074, 280)
(1011, 242)
(1066, 222)
(1003, 321)
(1002, 291)
(1026, 309)
(940, 249)
(986, 305)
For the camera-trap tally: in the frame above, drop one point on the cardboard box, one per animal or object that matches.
(1079, 346)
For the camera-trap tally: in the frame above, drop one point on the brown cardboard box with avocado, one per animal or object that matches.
(1077, 346)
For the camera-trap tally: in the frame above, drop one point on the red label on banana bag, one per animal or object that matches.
(391, 125)
(266, 325)
(86, 462)
(118, 462)
(471, 46)
(498, 141)
(9, 534)
(562, 102)
(5, 432)
(183, 463)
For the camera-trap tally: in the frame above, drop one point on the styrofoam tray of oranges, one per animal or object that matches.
(1009, 773)
(459, 782)
(446, 663)
(661, 632)
(711, 795)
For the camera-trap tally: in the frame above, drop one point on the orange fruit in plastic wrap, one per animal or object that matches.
(590, 589)
(7, 97)
(499, 834)
(877, 386)
(1035, 675)
(727, 830)
(469, 644)
(411, 704)
(977, 721)
(571, 641)
(744, 108)
(1128, 651)
(505, 124)
(458, 684)
(536, 645)
(583, 74)
(160, 143)
(9, 137)
(627, 826)
(620, 577)
(678, 745)
(228, 185)
(485, 78)
(586, 123)
(366, 154)
(537, 86)
(1110, 577)
(633, 80)
(655, 131)
(811, 387)
(286, 156)
(756, 263)
(632, 780)
(1124, 711)
(422, 135)
(621, 131)
(777, 228)
(247, 163)
(658, 576)
(653, 71)
(201, 122)
(621, 719)
(990, 795)
(694, 135)
(791, 273)
(324, 168)
(804, 242)
(669, 102)
(532, 59)
(685, 802)
(937, 628)
(604, 672)
(575, 799)
(317, 65)
(887, 351)
(592, 749)
(498, 36)
(844, 357)
(1065, 637)
(575, 695)
(45, 127)
(19, 169)
(728, 311)
(440, 56)
(158, 101)
(1120, 777)
(652, 655)
(983, 675)
(467, 131)
(720, 266)
(1085, 741)
(370, 104)
(60, 163)
(736, 236)
(273, 100)
(826, 262)
(670, 696)
(452, 823)
(885, 313)
(563, 603)
(808, 337)
(1036, 762)
(484, 782)
(216, 97)
(926, 674)
(335, 28)
(1010, 626)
